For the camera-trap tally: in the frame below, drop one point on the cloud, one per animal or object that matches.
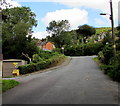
(102, 5)
(40, 35)
(75, 17)
(12, 3)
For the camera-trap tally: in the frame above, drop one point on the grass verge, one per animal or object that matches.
(8, 84)
(111, 70)
(99, 63)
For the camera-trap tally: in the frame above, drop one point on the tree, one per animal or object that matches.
(55, 28)
(85, 31)
(58, 30)
(17, 26)
(4, 4)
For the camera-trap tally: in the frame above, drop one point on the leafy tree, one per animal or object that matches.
(85, 31)
(59, 32)
(17, 26)
(5, 4)
(55, 28)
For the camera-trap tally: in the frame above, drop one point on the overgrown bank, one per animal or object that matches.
(43, 60)
(109, 63)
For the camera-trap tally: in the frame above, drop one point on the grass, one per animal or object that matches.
(102, 29)
(99, 63)
(96, 60)
(8, 84)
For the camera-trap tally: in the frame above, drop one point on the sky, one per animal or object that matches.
(77, 12)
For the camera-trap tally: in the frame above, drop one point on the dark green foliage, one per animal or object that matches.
(59, 29)
(83, 49)
(107, 53)
(113, 67)
(36, 58)
(118, 28)
(27, 68)
(110, 62)
(47, 54)
(85, 31)
(16, 32)
(32, 67)
(58, 50)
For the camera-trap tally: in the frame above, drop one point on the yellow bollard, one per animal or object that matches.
(16, 72)
(15, 64)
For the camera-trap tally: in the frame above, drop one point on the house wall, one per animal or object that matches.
(49, 46)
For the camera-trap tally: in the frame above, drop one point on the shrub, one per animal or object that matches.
(45, 54)
(101, 56)
(29, 68)
(108, 53)
(84, 49)
(36, 58)
(113, 67)
(57, 50)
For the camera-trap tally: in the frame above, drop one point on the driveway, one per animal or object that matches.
(79, 82)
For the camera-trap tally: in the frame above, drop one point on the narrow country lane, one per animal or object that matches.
(79, 82)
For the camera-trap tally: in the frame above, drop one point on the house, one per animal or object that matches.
(45, 45)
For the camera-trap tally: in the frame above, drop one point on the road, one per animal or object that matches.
(79, 82)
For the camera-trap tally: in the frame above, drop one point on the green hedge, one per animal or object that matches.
(83, 49)
(47, 54)
(32, 67)
(113, 68)
(110, 63)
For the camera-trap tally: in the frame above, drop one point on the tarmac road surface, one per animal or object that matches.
(79, 82)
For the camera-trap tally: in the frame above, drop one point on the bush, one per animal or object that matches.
(44, 54)
(83, 49)
(36, 58)
(47, 54)
(29, 68)
(101, 57)
(113, 67)
(58, 50)
(108, 53)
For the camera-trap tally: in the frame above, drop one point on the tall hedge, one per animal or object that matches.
(32, 67)
(83, 49)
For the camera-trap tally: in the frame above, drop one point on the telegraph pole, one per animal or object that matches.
(112, 24)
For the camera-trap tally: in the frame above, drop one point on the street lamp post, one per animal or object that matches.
(112, 24)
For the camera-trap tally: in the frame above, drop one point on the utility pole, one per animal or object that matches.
(112, 23)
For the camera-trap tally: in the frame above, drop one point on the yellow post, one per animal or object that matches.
(15, 71)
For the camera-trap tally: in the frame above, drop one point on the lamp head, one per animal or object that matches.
(103, 14)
